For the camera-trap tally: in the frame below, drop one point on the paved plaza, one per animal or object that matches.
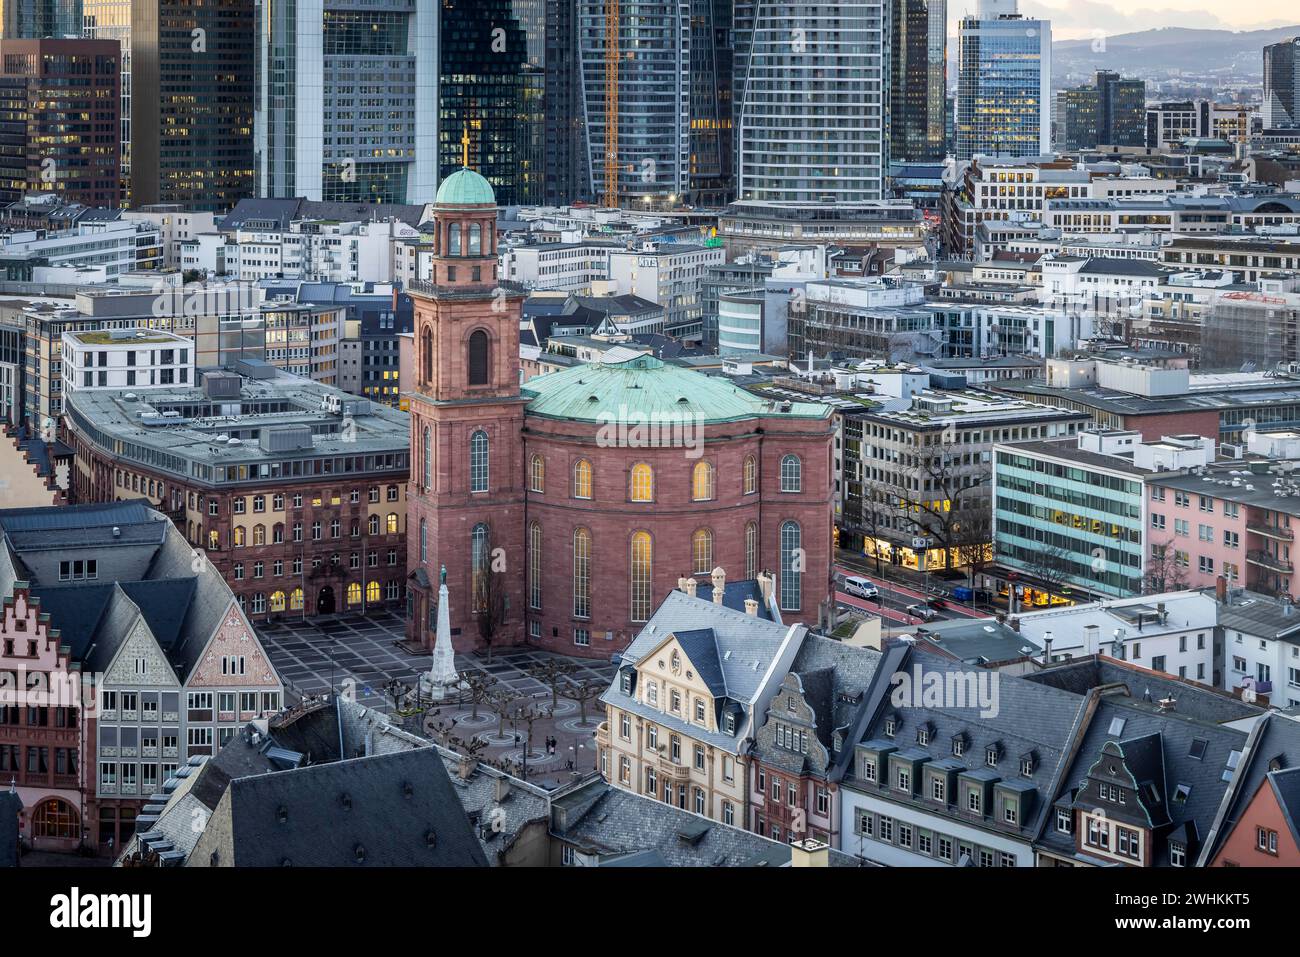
(361, 655)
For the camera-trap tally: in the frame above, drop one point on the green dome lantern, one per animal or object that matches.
(465, 188)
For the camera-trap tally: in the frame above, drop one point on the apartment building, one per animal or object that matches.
(691, 691)
(122, 359)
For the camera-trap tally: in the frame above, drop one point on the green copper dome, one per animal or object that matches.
(646, 388)
(465, 188)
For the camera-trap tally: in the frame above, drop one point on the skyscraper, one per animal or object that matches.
(491, 90)
(347, 100)
(36, 19)
(1282, 84)
(674, 99)
(1004, 64)
(189, 140)
(814, 110)
(1110, 112)
(70, 99)
(566, 163)
(919, 85)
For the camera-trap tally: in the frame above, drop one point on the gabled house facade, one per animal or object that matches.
(791, 794)
(158, 659)
(682, 710)
(1266, 834)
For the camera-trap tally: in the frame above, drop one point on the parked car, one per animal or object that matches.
(861, 587)
(924, 612)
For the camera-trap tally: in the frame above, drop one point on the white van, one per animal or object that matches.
(861, 587)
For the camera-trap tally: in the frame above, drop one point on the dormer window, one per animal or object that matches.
(922, 736)
(1064, 820)
(958, 746)
(627, 682)
(729, 724)
(992, 755)
(891, 726)
(1027, 766)
(1177, 854)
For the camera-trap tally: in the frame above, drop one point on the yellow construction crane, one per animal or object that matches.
(611, 103)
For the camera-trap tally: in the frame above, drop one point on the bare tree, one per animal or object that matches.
(489, 600)
(501, 701)
(1051, 566)
(1163, 572)
(974, 538)
(479, 686)
(552, 673)
(583, 690)
(947, 502)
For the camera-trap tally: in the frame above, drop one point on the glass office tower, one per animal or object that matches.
(1004, 64)
(814, 107)
(674, 100)
(919, 79)
(1282, 84)
(492, 87)
(38, 19)
(346, 100)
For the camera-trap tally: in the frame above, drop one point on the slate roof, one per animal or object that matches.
(1030, 719)
(1206, 703)
(1274, 740)
(497, 823)
(742, 651)
(387, 810)
(181, 603)
(735, 593)
(1168, 736)
(631, 830)
(1286, 789)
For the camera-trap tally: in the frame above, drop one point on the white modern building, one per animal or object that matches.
(1171, 632)
(118, 359)
(569, 267)
(669, 274)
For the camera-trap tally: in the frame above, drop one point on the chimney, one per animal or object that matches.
(1047, 647)
(681, 582)
(719, 584)
(1221, 590)
(689, 586)
(751, 607)
(765, 586)
(809, 853)
(502, 789)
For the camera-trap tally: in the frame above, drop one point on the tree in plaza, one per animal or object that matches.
(583, 690)
(489, 595)
(479, 685)
(552, 673)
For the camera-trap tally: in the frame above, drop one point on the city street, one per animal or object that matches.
(896, 596)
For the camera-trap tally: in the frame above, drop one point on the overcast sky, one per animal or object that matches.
(1081, 18)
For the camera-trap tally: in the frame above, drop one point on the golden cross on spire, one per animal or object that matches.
(464, 146)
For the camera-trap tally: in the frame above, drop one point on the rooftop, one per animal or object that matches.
(646, 389)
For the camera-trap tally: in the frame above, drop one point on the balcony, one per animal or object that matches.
(1273, 563)
(602, 733)
(1270, 531)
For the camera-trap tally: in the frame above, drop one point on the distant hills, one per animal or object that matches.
(1167, 49)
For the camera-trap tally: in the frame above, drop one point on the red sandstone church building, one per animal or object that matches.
(564, 510)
